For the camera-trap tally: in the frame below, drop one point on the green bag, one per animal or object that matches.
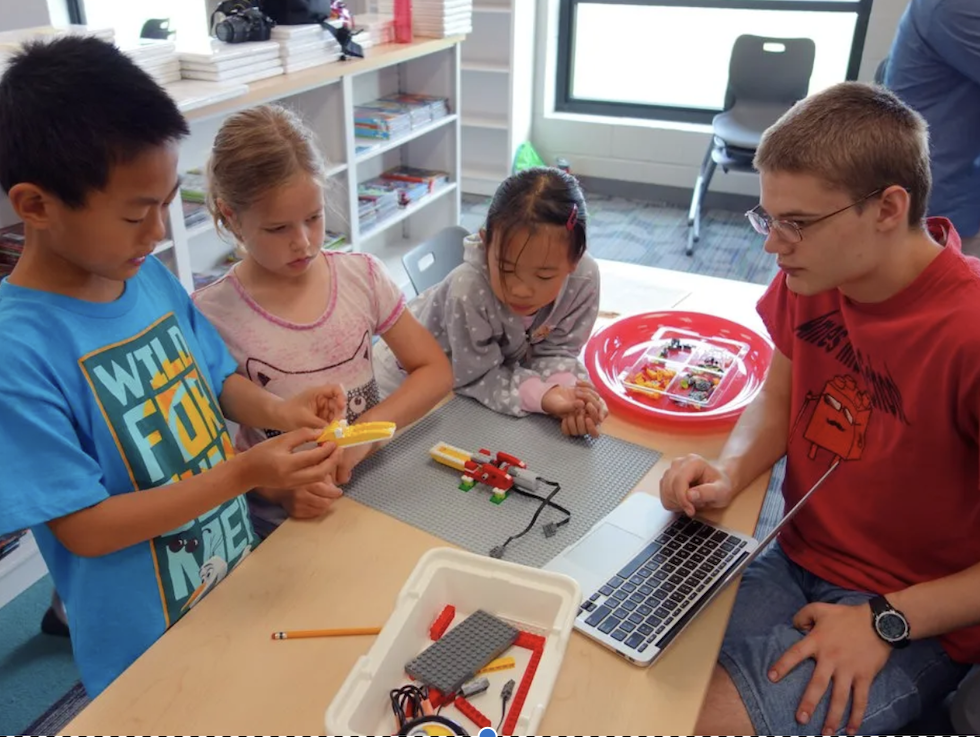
(526, 157)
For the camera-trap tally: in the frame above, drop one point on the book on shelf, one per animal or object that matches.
(432, 178)
(195, 213)
(11, 247)
(193, 186)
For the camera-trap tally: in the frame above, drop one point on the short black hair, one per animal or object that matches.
(74, 107)
(538, 196)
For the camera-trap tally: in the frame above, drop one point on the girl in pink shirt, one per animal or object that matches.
(295, 316)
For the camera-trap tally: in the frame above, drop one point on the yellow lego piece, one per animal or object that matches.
(346, 436)
(498, 664)
(449, 455)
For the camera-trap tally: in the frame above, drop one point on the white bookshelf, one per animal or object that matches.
(497, 91)
(20, 570)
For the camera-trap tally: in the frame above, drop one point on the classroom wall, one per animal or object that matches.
(652, 152)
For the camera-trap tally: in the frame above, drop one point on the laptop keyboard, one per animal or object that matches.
(655, 589)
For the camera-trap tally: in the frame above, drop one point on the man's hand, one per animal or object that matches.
(316, 407)
(309, 501)
(692, 483)
(848, 653)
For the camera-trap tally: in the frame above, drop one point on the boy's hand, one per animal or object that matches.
(353, 456)
(692, 483)
(310, 501)
(276, 463)
(316, 407)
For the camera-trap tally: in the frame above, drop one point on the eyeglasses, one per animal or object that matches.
(791, 230)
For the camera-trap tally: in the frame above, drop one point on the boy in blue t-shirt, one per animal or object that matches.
(113, 382)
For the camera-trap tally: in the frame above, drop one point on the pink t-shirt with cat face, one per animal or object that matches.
(286, 357)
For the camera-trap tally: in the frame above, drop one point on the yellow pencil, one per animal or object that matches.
(342, 632)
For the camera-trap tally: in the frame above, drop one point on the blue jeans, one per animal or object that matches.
(774, 588)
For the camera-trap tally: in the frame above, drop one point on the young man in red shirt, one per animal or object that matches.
(864, 615)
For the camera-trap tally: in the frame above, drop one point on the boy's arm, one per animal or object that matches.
(123, 520)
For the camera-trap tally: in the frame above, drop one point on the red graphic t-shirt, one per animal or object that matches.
(891, 389)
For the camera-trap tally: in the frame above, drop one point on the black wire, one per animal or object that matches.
(400, 697)
(546, 500)
(498, 552)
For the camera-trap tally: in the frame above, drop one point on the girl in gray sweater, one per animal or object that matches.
(515, 315)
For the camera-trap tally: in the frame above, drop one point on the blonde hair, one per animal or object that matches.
(255, 151)
(855, 137)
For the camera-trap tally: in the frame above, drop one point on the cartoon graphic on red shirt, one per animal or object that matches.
(839, 420)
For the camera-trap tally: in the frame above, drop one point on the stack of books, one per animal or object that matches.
(242, 62)
(377, 120)
(375, 28)
(433, 179)
(375, 204)
(193, 186)
(305, 46)
(441, 18)
(407, 192)
(9, 543)
(11, 247)
(395, 115)
(157, 58)
(333, 241)
(195, 213)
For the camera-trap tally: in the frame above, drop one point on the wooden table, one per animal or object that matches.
(217, 671)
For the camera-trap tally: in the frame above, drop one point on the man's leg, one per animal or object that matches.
(723, 711)
(915, 678)
(770, 593)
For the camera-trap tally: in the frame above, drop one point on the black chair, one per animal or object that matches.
(766, 76)
(430, 262)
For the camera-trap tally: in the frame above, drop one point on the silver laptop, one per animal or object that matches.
(647, 573)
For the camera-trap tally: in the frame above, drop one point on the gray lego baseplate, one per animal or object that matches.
(455, 657)
(403, 481)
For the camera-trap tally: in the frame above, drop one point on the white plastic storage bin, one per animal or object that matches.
(533, 600)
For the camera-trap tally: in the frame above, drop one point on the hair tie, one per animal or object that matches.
(572, 217)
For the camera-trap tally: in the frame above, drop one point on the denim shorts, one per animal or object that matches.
(915, 680)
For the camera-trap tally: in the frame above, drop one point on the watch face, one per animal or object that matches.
(891, 626)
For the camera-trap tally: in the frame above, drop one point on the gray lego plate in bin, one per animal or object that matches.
(403, 481)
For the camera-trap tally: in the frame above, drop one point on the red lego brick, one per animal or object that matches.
(472, 713)
(439, 627)
(536, 644)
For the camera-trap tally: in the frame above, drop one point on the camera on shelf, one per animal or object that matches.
(241, 22)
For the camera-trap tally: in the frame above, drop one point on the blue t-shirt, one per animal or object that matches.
(934, 66)
(105, 399)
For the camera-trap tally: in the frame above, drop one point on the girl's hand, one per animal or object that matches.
(316, 407)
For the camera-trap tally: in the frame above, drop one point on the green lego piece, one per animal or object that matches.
(466, 484)
(499, 498)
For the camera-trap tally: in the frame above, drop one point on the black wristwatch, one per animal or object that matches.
(889, 623)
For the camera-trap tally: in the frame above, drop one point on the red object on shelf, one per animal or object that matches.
(403, 21)
(439, 627)
(472, 713)
(612, 350)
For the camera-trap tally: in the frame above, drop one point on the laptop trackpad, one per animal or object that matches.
(605, 544)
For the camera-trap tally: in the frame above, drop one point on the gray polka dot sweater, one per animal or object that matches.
(491, 352)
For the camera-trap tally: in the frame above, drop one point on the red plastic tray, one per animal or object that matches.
(614, 349)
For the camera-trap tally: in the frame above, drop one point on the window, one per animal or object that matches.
(668, 59)
(188, 18)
